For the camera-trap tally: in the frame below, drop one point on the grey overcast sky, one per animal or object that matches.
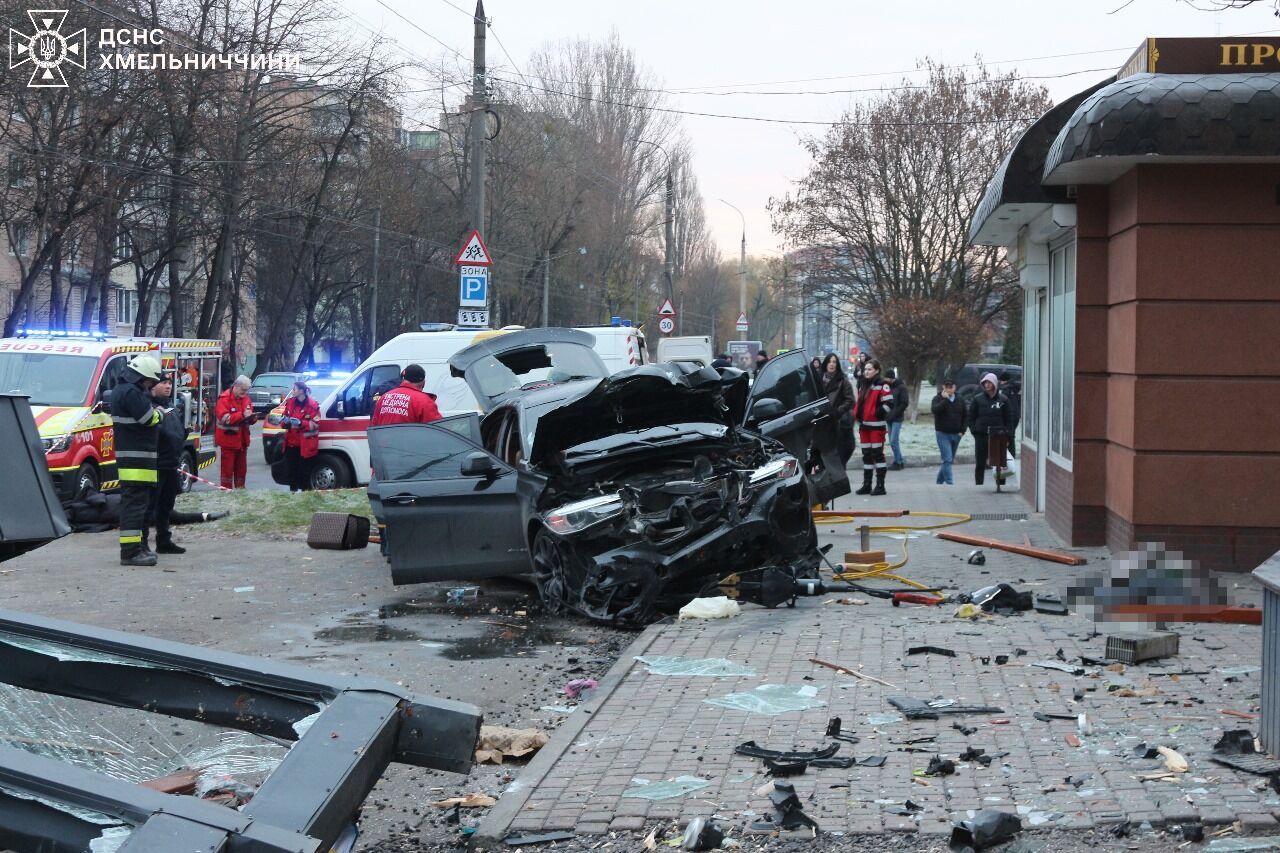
(734, 45)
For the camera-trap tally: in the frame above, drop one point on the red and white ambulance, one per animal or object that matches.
(343, 460)
(67, 377)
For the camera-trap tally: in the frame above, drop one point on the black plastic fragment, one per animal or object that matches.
(918, 709)
(1001, 660)
(1144, 751)
(521, 840)
(987, 829)
(1046, 716)
(905, 810)
(702, 834)
(963, 729)
(872, 761)
(834, 731)
(978, 755)
(1235, 749)
(785, 770)
(1235, 742)
(939, 766)
(1051, 605)
(931, 650)
(1191, 831)
(787, 810)
(752, 749)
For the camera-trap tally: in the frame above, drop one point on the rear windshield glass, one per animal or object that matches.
(274, 379)
(535, 366)
(49, 380)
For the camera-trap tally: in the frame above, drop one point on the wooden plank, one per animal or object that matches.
(1014, 548)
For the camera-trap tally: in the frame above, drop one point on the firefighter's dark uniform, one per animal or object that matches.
(136, 424)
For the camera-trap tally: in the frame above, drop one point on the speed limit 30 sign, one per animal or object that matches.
(666, 325)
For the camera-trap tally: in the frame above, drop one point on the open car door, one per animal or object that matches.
(450, 508)
(786, 404)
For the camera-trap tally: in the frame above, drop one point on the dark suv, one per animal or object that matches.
(969, 377)
(269, 390)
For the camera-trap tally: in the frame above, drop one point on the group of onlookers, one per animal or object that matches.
(874, 402)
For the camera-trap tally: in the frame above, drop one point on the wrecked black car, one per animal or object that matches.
(624, 496)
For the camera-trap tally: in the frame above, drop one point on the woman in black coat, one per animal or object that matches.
(839, 392)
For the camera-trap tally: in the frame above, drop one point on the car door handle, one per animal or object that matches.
(400, 500)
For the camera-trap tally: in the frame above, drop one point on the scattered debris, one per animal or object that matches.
(916, 709)
(1060, 667)
(470, 801)
(855, 601)
(771, 699)
(702, 834)
(1051, 605)
(1072, 740)
(1190, 831)
(668, 790)
(906, 809)
(968, 611)
(1001, 597)
(824, 757)
(499, 742)
(883, 719)
(542, 838)
(978, 755)
(834, 730)
(716, 607)
(575, 688)
(1144, 751)
(873, 761)
(787, 811)
(977, 558)
(930, 650)
(963, 729)
(783, 771)
(1135, 647)
(939, 766)
(1173, 760)
(987, 829)
(1046, 716)
(996, 544)
(1083, 726)
(709, 667)
(1238, 749)
(1239, 845)
(861, 675)
(1241, 714)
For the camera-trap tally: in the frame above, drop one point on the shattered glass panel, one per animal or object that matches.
(62, 652)
(676, 787)
(135, 746)
(712, 667)
(114, 833)
(771, 699)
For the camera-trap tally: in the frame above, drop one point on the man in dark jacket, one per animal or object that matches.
(135, 424)
(172, 443)
(895, 416)
(989, 412)
(721, 361)
(948, 427)
(1013, 391)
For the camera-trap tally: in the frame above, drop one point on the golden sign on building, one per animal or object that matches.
(1221, 55)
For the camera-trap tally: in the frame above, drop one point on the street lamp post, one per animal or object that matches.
(669, 223)
(742, 271)
(546, 281)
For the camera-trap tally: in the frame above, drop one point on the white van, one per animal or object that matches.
(343, 460)
(694, 349)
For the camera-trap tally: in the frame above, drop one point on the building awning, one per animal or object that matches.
(1015, 194)
(1167, 118)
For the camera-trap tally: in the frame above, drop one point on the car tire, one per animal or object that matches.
(186, 465)
(331, 471)
(551, 564)
(87, 475)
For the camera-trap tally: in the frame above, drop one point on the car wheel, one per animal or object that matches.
(552, 559)
(186, 465)
(87, 478)
(330, 471)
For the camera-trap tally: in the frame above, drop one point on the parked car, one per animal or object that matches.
(269, 390)
(624, 495)
(969, 377)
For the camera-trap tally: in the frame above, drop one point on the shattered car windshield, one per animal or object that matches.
(534, 367)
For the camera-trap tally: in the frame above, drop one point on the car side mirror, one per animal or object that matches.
(766, 409)
(478, 465)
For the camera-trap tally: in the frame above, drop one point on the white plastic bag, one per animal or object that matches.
(719, 607)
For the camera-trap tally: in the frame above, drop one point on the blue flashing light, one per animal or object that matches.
(615, 321)
(24, 332)
(626, 324)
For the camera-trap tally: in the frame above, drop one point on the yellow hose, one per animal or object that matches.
(886, 569)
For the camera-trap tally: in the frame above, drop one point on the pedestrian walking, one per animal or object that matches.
(948, 427)
(858, 380)
(895, 417)
(407, 404)
(301, 420)
(721, 361)
(235, 416)
(874, 402)
(815, 367)
(135, 426)
(171, 444)
(839, 392)
(989, 411)
(1013, 392)
(762, 358)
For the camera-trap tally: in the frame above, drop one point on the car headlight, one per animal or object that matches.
(57, 443)
(275, 398)
(782, 468)
(580, 515)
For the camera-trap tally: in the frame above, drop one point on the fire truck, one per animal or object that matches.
(67, 377)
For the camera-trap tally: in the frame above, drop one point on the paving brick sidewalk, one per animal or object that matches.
(659, 727)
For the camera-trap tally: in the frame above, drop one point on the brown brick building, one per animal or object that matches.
(1143, 216)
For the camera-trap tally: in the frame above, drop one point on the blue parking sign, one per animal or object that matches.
(473, 287)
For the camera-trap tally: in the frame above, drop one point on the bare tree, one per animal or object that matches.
(892, 190)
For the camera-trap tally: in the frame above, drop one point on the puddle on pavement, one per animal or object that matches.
(499, 641)
(361, 633)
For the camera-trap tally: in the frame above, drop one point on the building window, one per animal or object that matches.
(123, 247)
(1030, 365)
(126, 306)
(21, 239)
(1062, 349)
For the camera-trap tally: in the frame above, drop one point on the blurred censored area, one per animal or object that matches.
(1150, 575)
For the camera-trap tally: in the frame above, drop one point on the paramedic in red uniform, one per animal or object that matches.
(875, 400)
(407, 404)
(301, 420)
(235, 415)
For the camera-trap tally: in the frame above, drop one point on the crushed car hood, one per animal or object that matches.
(640, 398)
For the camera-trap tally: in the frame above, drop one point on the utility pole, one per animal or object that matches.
(546, 289)
(373, 281)
(479, 119)
(742, 271)
(669, 232)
